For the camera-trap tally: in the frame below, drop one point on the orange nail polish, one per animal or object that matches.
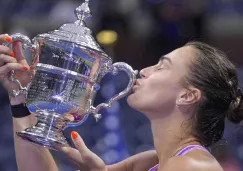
(8, 39)
(74, 135)
(25, 68)
(12, 54)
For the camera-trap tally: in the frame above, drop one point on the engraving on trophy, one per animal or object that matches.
(69, 65)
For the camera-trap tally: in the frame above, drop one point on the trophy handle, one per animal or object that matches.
(26, 44)
(119, 66)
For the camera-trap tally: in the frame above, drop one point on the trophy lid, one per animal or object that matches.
(76, 32)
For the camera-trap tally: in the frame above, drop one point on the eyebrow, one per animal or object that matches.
(165, 58)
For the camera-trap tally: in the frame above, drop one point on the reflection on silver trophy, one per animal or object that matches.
(69, 67)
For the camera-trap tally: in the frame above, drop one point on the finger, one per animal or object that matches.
(86, 154)
(5, 69)
(6, 59)
(79, 155)
(79, 143)
(86, 159)
(19, 54)
(5, 38)
(73, 155)
(6, 50)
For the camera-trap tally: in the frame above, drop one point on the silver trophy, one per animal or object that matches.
(69, 67)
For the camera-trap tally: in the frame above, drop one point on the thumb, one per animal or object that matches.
(18, 51)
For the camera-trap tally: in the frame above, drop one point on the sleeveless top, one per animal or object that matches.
(183, 152)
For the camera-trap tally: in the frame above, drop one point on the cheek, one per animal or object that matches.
(157, 89)
(158, 95)
(148, 98)
(153, 96)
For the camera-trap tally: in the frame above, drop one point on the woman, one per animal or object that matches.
(187, 95)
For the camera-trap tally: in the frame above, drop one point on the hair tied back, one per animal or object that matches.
(236, 108)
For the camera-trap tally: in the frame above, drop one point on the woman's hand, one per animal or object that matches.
(13, 60)
(82, 157)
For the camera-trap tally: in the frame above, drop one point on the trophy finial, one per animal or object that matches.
(83, 12)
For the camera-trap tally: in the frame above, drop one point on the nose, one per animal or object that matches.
(144, 73)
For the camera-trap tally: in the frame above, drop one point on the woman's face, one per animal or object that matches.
(160, 85)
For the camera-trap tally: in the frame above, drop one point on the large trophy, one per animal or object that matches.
(69, 67)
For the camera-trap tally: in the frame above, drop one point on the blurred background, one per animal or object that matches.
(137, 32)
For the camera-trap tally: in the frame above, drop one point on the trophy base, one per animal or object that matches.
(48, 132)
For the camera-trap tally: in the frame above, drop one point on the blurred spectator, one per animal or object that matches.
(146, 30)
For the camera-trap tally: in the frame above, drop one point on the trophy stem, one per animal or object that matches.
(48, 131)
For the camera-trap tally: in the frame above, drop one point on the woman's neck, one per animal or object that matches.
(170, 136)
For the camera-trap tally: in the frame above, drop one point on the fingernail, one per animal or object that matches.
(8, 39)
(74, 135)
(25, 68)
(12, 54)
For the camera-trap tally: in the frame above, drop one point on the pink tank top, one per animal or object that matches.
(183, 152)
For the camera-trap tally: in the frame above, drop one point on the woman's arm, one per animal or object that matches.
(30, 157)
(86, 160)
(139, 162)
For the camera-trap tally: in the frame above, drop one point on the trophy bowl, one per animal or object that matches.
(69, 66)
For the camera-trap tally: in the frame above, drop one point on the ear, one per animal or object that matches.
(188, 96)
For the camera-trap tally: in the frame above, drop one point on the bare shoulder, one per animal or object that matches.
(138, 162)
(144, 160)
(188, 163)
